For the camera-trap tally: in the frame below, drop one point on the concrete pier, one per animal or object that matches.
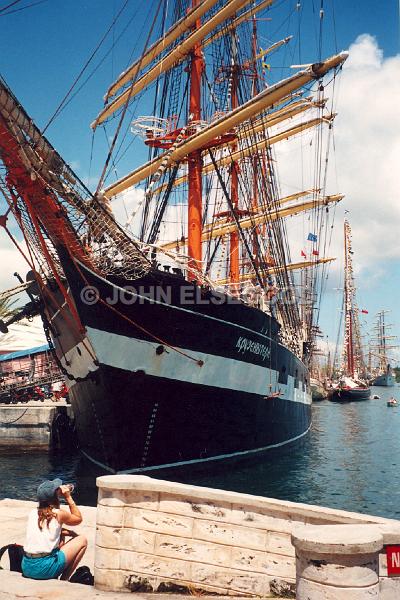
(32, 426)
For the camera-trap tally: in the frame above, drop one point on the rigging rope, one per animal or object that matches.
(235, 218)
(60, 106)
(199, 362)
(10, 12)
(125, 108)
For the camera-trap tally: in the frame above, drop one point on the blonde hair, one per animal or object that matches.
(46, 512)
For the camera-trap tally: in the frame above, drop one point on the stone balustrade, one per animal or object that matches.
(154, 535)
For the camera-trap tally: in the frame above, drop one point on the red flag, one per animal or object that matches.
(303, 254)
(365, 312)
(315, 252)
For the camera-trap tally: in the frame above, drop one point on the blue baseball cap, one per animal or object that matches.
(47, 490)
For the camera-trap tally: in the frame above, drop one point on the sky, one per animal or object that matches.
(43, 49)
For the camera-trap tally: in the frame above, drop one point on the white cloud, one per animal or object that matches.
(367, 137)
(11, 262)
(127, 203)
(363, 160)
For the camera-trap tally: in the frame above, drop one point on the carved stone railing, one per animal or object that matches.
(155, 535)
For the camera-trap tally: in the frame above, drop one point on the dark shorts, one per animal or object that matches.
(46, 567)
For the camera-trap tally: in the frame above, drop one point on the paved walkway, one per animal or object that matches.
(13, 515)
(15, 587)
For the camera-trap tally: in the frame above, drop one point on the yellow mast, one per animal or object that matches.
(253, 107)
(175, 56)
(151, 167)
(236, 22)
(273, 214)
(258, 126)
(279, 202)
(262, 144)
(273, 270)
(182, 26)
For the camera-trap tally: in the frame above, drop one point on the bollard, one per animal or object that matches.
(337, 562)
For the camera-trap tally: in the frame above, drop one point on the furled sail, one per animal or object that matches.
(248, 110)
(176, 55)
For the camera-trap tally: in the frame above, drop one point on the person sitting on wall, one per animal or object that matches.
(46, 553)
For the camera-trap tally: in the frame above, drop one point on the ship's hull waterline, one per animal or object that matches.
(385, 380)
(350, 395)
(160, 384)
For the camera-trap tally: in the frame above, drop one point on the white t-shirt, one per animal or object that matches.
(41, 540)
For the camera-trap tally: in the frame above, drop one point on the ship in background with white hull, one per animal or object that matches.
(381, 345)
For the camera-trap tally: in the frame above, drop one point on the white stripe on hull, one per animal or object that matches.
(241, 453)
(131, 354)
(78, 362)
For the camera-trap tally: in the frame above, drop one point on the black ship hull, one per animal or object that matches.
(350, 395)
(176, 378)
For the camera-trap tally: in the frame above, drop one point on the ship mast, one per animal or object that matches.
(352, 359)
(379, 350)
(348, 303)
(255, 90)
(234, 268)
(195, 162)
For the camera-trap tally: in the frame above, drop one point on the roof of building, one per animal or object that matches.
(27, 352)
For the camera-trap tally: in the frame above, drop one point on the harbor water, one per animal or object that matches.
(350, 460)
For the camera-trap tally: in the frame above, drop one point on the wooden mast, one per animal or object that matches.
(265, 215)
(348, 304)
(154, 52)
(234, 247)
(255, 90)
(195, 162)
(220, 127)
(279, 268)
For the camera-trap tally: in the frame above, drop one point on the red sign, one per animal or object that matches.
(393, 560)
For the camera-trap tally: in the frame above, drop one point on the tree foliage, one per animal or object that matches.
(6, 308)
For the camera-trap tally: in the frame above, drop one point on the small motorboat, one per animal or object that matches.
(392, 402)
(376, 397)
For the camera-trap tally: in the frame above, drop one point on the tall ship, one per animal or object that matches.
(352, 383)
(179, 331)
(382, 344)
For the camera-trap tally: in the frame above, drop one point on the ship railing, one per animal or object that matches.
(39, 382)
(194, 270)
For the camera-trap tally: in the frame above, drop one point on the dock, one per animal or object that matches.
(34, 425)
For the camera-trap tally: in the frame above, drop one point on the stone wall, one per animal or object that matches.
(155, 535)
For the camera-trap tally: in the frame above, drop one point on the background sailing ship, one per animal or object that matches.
(382, 344)
(353, 372)
(193, 349)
